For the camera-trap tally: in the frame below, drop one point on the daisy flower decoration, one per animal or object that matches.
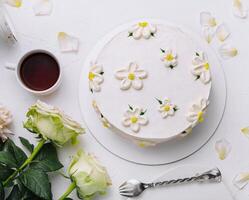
(95, 77)
(197, 112)
(169, 58)
(142, 30)
(104, 121)
(131, 76)
(166, 108)
(134, 118)
(201, 68)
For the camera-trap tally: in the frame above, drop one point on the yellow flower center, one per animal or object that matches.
(131, 76)
(143, 24)
(169, 57)
(206, 66)
(133, 119)
(91, 76)
(18, 3)
(200, 117)
(212, 22)
(166, 108)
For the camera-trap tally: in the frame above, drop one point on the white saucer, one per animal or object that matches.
(193, 191)
(170, 151)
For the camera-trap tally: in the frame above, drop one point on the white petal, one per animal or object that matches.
(223, 148)
(153, 28)
(133, 67)
(192, 118)
(126, 122)
(135, 127)
(171, 112)
(142, 120)
(205, 77)
(125, 84)
(241, 180)
(206, 19)
(137, 34)
(164, 114)
(227, 51)
(137, 84)
(121, 74)
(197, 70)
(222, 32)
(95, 86)
(98, 78)
(67, 43)
(239, 10)
(245, 131)
(141, 74)
(96, 68)
(146, 32)
(42, 7)
(13, 3)
(133, 28)
(208, 34)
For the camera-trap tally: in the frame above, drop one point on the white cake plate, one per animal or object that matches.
(170, 151)
(195, 191)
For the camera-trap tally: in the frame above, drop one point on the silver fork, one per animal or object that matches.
(134, 188)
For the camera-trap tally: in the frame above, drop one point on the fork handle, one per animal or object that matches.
(211, 175)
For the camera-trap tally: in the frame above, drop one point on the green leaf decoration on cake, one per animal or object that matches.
(130, 35)
(176, 108)
(197, 54)
(198, 77)
(130, 107)
(159, 101)
(143, 112)
(162, 50)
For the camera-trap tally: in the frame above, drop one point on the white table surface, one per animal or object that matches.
(90, 20)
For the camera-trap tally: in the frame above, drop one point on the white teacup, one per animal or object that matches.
(16, 68)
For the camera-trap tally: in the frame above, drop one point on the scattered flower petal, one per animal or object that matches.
(223, 148)
(14, 3)
(207, 20)
(5, 120)
(222, 32)
(227, 51)
(67, 42)
(42, 7)
(245, 131)
(241, 180)
(239, 10)
(208, 34)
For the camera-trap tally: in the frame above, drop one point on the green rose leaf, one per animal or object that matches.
(7, 159)
(1, 145)
(15, 194)
(2, 195)
(5, 172)
(17, 153)
(27, 144)
(47, 159)
(37, 182)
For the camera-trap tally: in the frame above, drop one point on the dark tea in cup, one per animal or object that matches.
(39, 71)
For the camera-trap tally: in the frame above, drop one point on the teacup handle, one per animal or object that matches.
(10, 66)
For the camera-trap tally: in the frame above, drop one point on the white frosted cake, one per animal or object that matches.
(150, 83)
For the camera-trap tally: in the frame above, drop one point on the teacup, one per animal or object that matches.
(38, 72)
